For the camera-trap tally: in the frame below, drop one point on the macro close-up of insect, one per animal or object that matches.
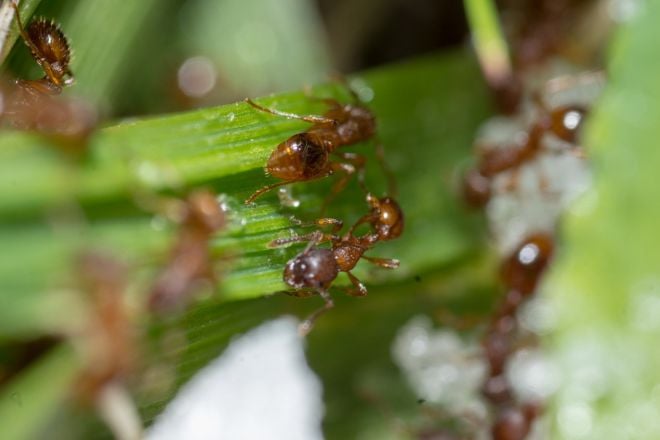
(307, 156)
(32, 104)
(346, 219)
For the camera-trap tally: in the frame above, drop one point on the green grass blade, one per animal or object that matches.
(28, 402)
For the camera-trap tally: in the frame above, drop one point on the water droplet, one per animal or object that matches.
(231, 116)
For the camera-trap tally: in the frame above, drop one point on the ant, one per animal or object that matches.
(521, 272)
(190, 260)
(306, 156)
(316, 268)
(109, 341)
(32, 104)
(50, 49)
(385, 217)
(564, 122)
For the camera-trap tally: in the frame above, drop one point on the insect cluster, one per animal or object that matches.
(529, 167)
(312, 155)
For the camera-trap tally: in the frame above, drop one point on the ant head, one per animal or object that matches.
(300, 157)
(390, 218)
(51, 50)
(315, 268)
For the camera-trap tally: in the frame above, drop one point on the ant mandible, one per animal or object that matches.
(190, 261)
(316, 268)
(306, 156)
(50, 49)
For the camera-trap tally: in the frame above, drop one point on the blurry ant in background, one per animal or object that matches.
(107, 342)
(32, 105)
(190, 264)
(306, 156)
(314, 269)
(564, 122)
(521, 273)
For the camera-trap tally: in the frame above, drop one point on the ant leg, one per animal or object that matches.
(387, 263)
(359, 162)
(307, 118)
(368, 218)
(38, 86)
(360, 289)
(330, 102)
(36, 52)
(313, 238)
(306, 326)
(335, 224)
(302, 293)
(322, 222)
(392, 189)
(21, 29)
(265, 189)
(340, 184)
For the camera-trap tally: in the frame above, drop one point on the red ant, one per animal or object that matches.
(521, 273)
(109, 342)
(316, 268)
(306, 156)
(31, 104)
(50, 49)
(386, 218)
(190, 261)
(564, 122)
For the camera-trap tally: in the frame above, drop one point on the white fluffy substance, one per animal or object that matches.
(440, 366)
(260, 388)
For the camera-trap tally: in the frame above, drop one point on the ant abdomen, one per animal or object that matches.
(52, 45)
(523, 269)
(315, 269)
(300, 157)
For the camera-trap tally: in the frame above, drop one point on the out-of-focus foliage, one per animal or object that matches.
(605, 287)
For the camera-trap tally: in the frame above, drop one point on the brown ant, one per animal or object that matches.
(109, 344)
(190, 260)
(521, 273)
(314, 269)
(32, 104)
(109, 338)
(306, 156)
(385, 217)
(564, 122)
(523, 269)
(50, 49)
